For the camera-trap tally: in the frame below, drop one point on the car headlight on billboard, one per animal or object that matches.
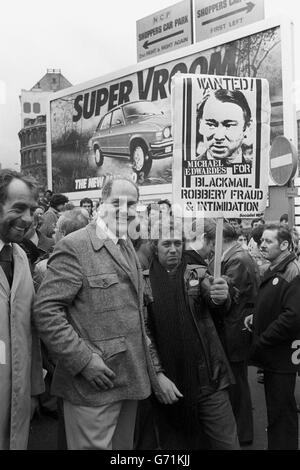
(167, 132)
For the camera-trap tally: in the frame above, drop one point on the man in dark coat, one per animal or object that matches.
(192, 369)
(239, 268)
(276, 329)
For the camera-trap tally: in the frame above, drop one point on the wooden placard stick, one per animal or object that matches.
(218, 247)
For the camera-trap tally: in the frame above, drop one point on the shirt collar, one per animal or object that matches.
(2, 244)
(194, 245)
(278, 260)
(35, 239)
(112, 236)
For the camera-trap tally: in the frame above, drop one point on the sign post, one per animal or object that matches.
(218, 247)
(292, 192)
(283, 167)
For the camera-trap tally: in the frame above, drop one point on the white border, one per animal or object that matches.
(289, 107)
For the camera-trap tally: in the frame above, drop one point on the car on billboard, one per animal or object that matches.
(136, 131)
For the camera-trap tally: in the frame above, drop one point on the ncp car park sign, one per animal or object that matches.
(164, 31)
(283, 160)
(214, 17)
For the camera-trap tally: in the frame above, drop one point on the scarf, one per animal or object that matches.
(177, 342)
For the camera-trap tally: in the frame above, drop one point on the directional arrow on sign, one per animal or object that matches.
(150, 43)
(249, 7)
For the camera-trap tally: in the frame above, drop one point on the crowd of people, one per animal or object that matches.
(133, 342)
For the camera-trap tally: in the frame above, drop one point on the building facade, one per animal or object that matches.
(33, 149)
(33, 121)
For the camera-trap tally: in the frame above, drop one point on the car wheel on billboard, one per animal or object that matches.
(141, 161)
(98, 156)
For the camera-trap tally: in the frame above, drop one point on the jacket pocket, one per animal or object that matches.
(104, 292)
(113, 352)
(104, 281)
(112, 346)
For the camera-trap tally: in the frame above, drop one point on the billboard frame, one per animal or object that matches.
(289, 107)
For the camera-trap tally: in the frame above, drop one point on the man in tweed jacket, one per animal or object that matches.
(89, 314)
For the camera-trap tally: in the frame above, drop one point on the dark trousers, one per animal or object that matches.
(145, 432)
(217, 427)
(281, 411)
(241, 402)
(61, 431)
(46, 400)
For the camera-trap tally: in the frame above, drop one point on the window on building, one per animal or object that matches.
(27, 108)
(39, 156)
(43, 134)
(36, 108)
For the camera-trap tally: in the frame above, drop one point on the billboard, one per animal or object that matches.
(221, 145)
(121, 124)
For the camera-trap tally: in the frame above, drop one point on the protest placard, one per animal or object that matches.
(221, 128)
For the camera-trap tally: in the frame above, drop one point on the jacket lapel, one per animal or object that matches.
(136, 273)
(18, 269)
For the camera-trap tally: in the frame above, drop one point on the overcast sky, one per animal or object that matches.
(85, 39)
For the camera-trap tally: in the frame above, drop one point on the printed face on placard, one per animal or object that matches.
(223, 129)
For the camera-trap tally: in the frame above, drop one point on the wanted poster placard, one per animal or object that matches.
(221, 129)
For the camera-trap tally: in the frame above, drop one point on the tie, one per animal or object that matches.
(6, 262)
(122, 245)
